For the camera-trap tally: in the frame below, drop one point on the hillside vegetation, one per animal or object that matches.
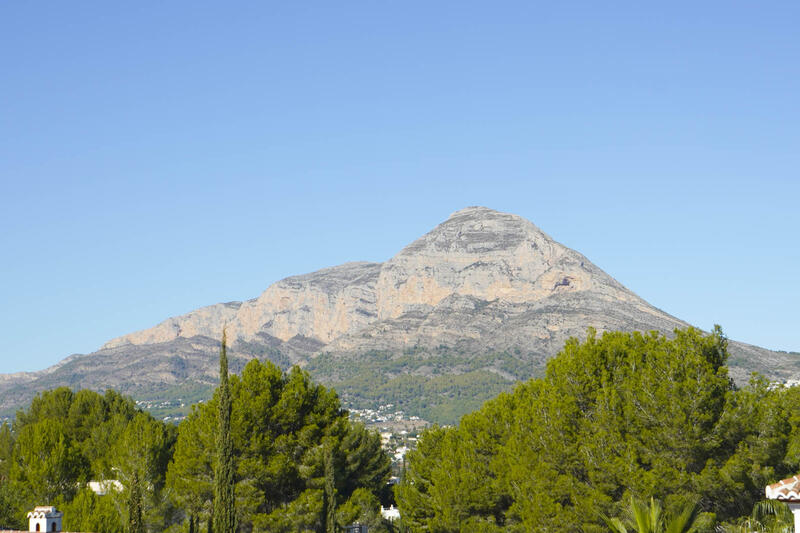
(615, 420)
(283, 427)
(439, 385)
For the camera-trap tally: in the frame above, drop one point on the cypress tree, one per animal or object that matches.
(135, 504)
(224, 504)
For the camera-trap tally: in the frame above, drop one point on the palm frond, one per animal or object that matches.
(772, 510)
(685, 521)
(615, 525)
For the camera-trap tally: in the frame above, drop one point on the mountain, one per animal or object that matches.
(460, 314)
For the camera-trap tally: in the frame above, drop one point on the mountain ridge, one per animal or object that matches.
(481, 284)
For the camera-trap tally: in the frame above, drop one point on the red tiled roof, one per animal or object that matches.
(785, 489)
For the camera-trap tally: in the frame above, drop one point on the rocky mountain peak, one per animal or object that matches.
(482, 253)
(477, 231)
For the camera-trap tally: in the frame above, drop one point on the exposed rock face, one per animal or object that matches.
(481, 253)
(478, 253)
(480, 282)
(322, 305)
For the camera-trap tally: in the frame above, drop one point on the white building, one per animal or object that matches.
(390, 513)
(101, 488)
(44, 518)
(788, 492)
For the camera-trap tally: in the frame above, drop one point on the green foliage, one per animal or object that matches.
(650, 518)
(173, 402)
(329, 494)
(452, 476)
(140, 457)
(65, 439)
(47, 461)
(135, 506)
(773, 515)
(280, 426)
(6, 449)
(768, 516)
(363, 507)
(616, 416)
(90, 512)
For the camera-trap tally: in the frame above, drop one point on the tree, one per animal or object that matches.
(626, 412)
(329, 501)
(91, 512)
(7, 504)
(773, 516)
(6, 450)
(224, 481)
(190, 476)
(135, 506)
(768, 516)
(281, 426)
(620, 414)
(140, 458)
(644, 518)
(363, 507)
(46, 463)
(65, 439)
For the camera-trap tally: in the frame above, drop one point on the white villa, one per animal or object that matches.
(45, 518)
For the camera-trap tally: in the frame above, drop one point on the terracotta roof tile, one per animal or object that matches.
(785, 489)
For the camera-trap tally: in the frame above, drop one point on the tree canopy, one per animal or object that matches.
(293, 448)
(621, 415)
(66, 439)
(282, 428)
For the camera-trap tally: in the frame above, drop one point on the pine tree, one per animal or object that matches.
(191, 524)
(210, 525)
(224, 504)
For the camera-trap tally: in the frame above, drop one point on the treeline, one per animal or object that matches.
(615, 417)
(293, 444)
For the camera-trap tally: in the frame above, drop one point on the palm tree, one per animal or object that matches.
(768, 516)
(644, 518)
(774, 515)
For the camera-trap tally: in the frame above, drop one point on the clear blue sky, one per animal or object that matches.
(160, 156)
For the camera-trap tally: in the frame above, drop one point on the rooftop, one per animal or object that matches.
(785, 490)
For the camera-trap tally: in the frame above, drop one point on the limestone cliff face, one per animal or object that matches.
(477, 252)
(488, 255)
(482, 280)
(322, 305)
(206, 321)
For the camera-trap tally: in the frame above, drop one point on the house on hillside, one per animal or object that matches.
(43, 518)
(101, 488)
